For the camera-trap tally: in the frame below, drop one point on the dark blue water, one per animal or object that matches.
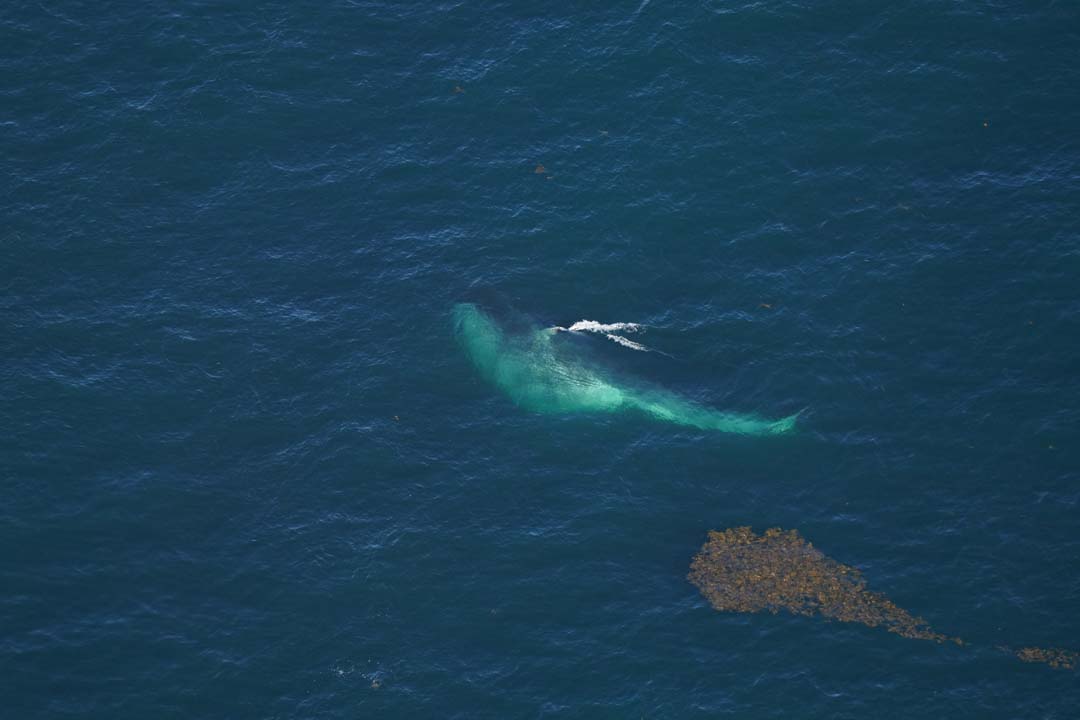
(248, 473)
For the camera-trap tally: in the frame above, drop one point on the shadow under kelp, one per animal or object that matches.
(739, 571)
(540, 376)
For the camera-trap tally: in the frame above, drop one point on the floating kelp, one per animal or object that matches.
(740, 571)
(1054, 657)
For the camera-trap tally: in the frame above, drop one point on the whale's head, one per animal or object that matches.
(528, 366)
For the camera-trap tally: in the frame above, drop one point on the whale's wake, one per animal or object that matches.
(541, 377)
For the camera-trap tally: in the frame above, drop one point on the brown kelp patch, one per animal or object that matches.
(740, 571)
(1054, 657)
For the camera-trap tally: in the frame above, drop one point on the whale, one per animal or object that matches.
(541, 375)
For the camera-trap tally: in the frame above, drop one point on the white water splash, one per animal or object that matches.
(628, 343)
(593, 326)
(608, 330)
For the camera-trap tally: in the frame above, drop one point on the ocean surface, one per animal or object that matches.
(248, 470)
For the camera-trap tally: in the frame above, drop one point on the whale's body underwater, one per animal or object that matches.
(531, 371)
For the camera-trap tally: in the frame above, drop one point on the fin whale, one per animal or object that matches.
(528, 368)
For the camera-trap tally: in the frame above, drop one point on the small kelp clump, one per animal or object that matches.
(1054, 657)
(738, 571)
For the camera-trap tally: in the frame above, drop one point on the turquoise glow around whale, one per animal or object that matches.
(528, 369)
